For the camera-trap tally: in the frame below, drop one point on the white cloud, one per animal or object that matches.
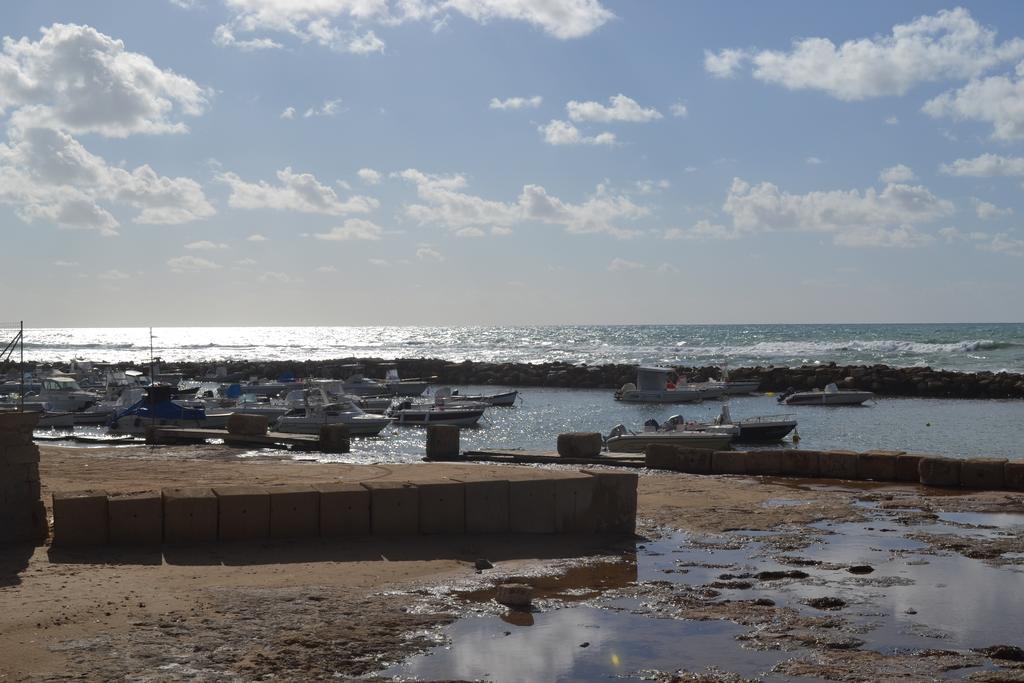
(622, 109)
(352, 229)
(899, 173)
(328, 108)
(985, 166)
(998, 100)
(223, 36)
(702, 230)
(564, 133)
(679, 110)
(445, 205)
(379, 262)
(113, 275)
(868, 218)
(296, 192)
(813, 161)
(948, 45)
(516, 102)
(80, 80)
(246, 262)
(892, 121)
(205, 245)
(365, 44)
(60, 263)
(726, 63)
(427, 253)
(333, 23)
(618, 264)
(652, 186)
(256, 237)
(987, 211)
(47, 174)
(999, 243)
(180, 264)
(288, 113)
(369, 176)
(277, 277)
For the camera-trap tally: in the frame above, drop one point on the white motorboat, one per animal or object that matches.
(441, 411)
(63, 394)
(760, 429)
(831, 396)
(504, 399)
(309, 418)
(622, 440)
(660, 385)
(397, 386)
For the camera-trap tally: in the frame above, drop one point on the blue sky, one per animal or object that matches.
(190, 162)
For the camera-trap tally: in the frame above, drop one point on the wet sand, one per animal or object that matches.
(318, 609)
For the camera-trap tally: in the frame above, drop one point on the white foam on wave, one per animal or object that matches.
(800, 349)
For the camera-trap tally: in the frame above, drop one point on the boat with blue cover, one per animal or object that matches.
(158, 408)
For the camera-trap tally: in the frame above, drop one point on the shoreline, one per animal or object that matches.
(303, 610)
(883, 380)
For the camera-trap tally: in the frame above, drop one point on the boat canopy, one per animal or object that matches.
(652, 378)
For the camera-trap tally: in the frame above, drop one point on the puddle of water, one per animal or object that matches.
(618, 644)
(1002, 520)
(785, 502)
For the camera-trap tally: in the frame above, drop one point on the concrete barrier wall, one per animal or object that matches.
(582, 502)
(980, 474)
(22, 514)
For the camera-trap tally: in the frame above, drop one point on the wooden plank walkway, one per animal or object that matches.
(169, 435)
(512, 456)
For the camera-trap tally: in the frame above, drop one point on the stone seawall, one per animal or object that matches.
(880, 379)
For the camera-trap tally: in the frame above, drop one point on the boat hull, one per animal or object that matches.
(824, 398)
(420, 418)
(668, 396)
(370, 426)
(638, 443)
(763, 432)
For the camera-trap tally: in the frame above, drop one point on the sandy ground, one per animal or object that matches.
(318, 609)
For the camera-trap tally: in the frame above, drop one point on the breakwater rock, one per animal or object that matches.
(883, 380)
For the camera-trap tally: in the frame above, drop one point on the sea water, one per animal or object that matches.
(967, 347)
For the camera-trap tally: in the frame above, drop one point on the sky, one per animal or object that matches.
(447, 162)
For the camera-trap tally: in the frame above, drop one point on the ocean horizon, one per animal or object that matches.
(969, 347)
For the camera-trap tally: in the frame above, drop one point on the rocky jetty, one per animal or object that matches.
(883, 380)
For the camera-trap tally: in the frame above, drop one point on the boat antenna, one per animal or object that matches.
(21, 363)
(152, 375)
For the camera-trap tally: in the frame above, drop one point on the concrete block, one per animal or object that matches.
(190, 515)
(13, 422)
(23, 522)
(294, 511)
(837, 464)
(765, 463)
(574, 504)
(798, 463)
(14, 439)
(14, 493)
(729, 462)
(442, 506)
(877, 466)
(334, 439)
(614, 502)
(487, 506)
(531, 506)
(939, 471)
(394, 508)
(580, 444)
(443, 442)
(80, 518)
(1013, 475)
(344, 510)
(16, 455)
(906, 467)
(668, 457)
(983, 474)
(135, 518)
(243, 513)
(248, 425)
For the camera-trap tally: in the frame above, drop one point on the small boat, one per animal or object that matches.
(831, 396)
(397, 386)
(156, 408)
(308, 419)
(504, 399)
(760, 429)
(621, 440)
(663, 385)
(441, 411)
(63, 394)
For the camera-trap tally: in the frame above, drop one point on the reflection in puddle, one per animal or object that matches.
(854, 582)
(583, 644)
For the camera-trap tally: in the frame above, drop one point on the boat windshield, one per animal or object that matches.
(62, 384)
